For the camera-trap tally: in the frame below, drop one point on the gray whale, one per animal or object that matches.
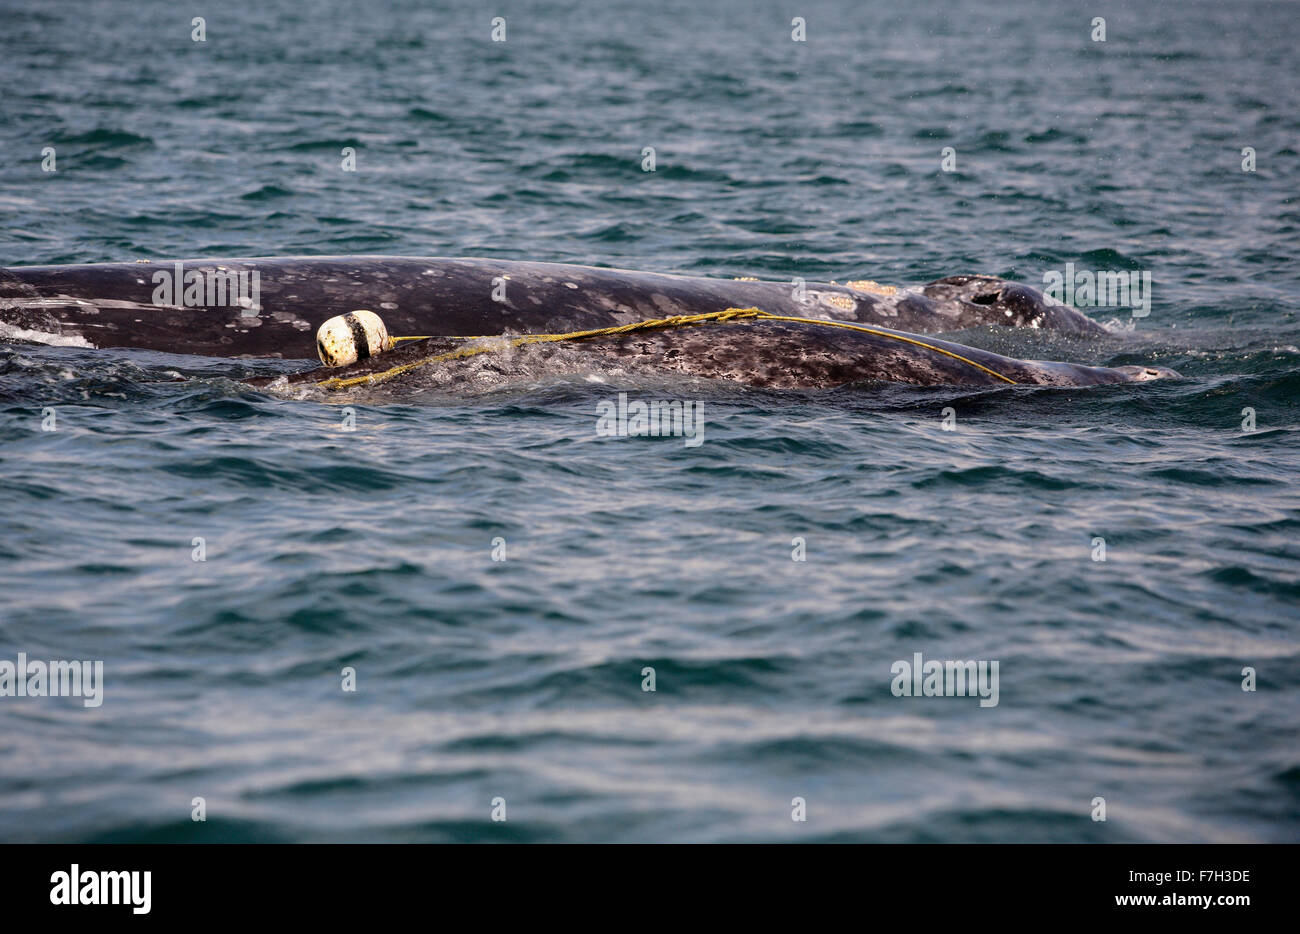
(113, 304)
(775, 354)
(147, 305)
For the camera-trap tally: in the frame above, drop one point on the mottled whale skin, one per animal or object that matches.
(112, 304)
(768, 354)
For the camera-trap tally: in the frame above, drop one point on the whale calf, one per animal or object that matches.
(768, 352)
(272, 307)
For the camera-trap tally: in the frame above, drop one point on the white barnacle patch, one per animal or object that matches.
(871, 285)
(839, 301)
(835, 300)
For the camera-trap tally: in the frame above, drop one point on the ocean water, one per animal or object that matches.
(517, 684)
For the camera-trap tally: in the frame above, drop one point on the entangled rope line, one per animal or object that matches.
(719, 317)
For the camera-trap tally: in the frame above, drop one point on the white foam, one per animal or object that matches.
(9, 332)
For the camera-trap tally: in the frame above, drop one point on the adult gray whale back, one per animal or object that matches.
(193, 306)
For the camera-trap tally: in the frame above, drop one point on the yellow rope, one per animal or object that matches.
(730, 314)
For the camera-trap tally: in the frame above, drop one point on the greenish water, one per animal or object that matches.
(522, 678)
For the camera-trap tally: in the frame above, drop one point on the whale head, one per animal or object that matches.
(993, 300)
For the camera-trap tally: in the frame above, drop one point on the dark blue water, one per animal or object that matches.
(522, 679)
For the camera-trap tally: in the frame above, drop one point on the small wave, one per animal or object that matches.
(266, 193)
(104, 138)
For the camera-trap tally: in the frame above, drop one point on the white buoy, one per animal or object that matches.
(357, 335)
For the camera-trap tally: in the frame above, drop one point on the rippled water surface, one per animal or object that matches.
(522, 678)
